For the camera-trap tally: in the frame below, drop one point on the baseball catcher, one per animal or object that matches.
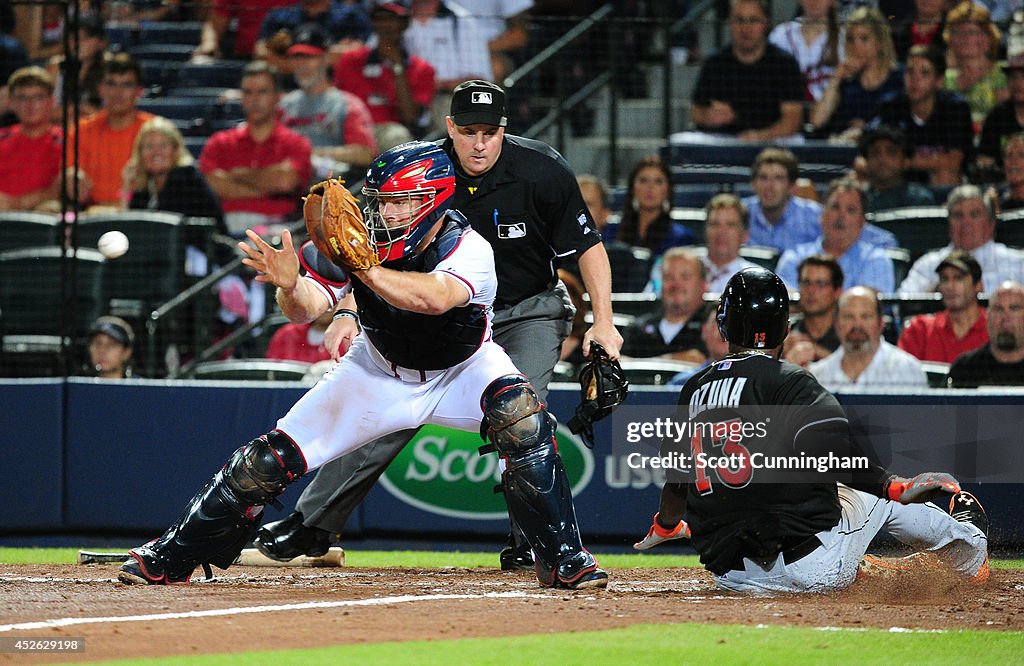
(764, 537)
(421, 283)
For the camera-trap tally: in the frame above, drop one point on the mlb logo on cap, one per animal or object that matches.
(478, 102)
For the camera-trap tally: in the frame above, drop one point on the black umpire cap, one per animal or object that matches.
(478, 102)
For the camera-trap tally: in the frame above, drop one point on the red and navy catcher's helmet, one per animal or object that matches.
(420, 173)
(753, 311)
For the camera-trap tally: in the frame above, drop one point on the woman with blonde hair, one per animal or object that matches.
(973, 51)
(161, 174)
(869, 71)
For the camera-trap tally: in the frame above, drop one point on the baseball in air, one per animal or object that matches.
(112, 244)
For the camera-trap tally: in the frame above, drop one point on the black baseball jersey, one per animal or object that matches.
(732, 513)
(412, 339)
(529, 208)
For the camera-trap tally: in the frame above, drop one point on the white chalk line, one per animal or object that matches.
(244, 610)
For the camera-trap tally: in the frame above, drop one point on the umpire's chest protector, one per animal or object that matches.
(420, 341)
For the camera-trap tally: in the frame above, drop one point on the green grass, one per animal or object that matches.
(639, 644)
(413, 558)
(657, 644)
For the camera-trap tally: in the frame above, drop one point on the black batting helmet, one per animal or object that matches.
(754, 309)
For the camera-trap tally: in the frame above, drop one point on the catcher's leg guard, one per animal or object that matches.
(536, 487)
(222, 516)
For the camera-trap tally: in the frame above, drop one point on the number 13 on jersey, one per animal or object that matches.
(718, 449)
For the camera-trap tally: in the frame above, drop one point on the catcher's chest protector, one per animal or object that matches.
(419, 341)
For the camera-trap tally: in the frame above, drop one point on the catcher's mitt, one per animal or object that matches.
(604, 386)
(335, 225)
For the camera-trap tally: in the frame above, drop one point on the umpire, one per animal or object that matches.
(521, 195)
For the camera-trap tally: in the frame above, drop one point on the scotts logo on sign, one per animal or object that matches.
(441, 472)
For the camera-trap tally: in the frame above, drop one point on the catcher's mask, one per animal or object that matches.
(408, 190)
(604, 387)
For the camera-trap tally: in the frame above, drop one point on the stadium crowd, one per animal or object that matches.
(257, 100)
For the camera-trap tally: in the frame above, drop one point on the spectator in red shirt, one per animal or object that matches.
(301, 342)
(259, 169)
(30, 150)
(960, 327)
(397, 87)
(337, 123)
(247, 18)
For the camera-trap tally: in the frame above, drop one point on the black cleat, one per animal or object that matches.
(516, 559)
(146, 566)
(578, 571)
(965, 508)
(287, 539)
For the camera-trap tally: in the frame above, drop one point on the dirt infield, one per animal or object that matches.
(352, 605)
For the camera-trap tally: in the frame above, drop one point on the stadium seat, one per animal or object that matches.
(693, 219)
(900, 258)
(767, 257)
(252, 370)
(918, 229)
(164, 52)
(693, 195)
(226, 74)
(177, 108)
(1010, 228)
(24, 229)
(937, 373)
(195, 144)
(631, 266)
(32, 312)
(633, 303)
(157, 75)
(654, 371)
(762, 256)
(170, 32)
(152, 271)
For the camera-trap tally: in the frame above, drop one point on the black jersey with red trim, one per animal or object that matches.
(411, 339)
(732, 512)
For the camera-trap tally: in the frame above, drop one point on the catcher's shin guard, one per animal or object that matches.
(221, 517)
(536, 486)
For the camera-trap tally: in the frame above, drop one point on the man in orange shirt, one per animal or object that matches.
(105, 138)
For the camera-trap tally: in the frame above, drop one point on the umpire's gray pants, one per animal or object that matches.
(531, 332)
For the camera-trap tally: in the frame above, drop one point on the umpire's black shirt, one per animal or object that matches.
(529, 208)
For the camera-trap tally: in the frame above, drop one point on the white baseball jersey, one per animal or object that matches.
(366, 396)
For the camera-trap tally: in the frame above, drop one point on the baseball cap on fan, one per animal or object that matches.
(115, 327)
(399, 7)
(476, 102)
(963, 262)
(309, 39)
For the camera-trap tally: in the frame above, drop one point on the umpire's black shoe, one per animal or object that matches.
(287, 539)
(516, 559)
